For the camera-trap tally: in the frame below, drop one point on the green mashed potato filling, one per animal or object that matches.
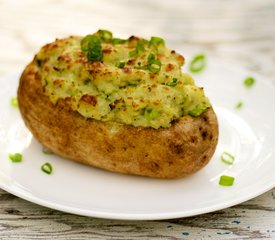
(131, 81)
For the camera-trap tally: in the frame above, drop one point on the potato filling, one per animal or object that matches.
(130, 81)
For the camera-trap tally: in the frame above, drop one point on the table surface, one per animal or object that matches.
(238, 32)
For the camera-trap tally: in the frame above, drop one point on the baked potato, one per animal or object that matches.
(119, 105)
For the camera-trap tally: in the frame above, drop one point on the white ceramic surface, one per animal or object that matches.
(247, 133)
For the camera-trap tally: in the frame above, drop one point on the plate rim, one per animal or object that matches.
(132, 216)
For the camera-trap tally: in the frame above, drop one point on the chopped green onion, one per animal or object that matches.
(173, 83)
(226, 180)
(120, 64)
(16, 157)
(140, 46)
(47, 168)
(154, 66)
(239, 105)
(105, 35)
(14, 102)
(118, 41)
(150, 114)
(249, 81)
(198, 63)
(151, 57)
(92, 45)
(47, 151)
(156, 41)
(95, 54)
(88, 42)
(133, 53)
(227, 158)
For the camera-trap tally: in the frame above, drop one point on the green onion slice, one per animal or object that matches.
(239, 105)
(47, 151)
(150, 114)
(16, 157)
(226, 180)
(151, 57)
(140, 46)
(227, 158)
(88, 42)
(118, 41)
(92, 45)
(105, 35)
(133, 53)
(120, 64)
(47, 168)
(198, 63)
(249, 81)
(154, 66)
(173, 83)
(14, 102)
(157, 41)
(95, 54)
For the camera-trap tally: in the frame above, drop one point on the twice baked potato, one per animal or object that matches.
(120, 105)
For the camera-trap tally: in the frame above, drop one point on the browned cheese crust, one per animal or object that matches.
(173, 152)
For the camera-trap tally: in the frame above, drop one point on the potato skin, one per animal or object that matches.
(174, 152)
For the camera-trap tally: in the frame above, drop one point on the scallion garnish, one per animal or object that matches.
(14, 102)
(249, 81)
(105, 35)
(151, 57)
(239, 105)
(15, 157)
(150, 114)
(226, 180)
(173, 83)
(133, 53)
(88, 42)
(92, 45)
(198, 63)
(118, 41)
(154, 66)
(227, 158)
(140, 46)
(47, 168)
(120, 64)
(95, 54)
(47, 151)
(156, 41)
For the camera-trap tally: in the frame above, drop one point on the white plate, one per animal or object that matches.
(247, 133)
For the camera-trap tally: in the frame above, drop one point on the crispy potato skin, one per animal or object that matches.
(173, 152)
